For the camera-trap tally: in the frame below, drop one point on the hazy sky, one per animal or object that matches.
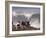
(25, 9)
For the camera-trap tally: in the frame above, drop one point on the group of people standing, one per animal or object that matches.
(22, 25)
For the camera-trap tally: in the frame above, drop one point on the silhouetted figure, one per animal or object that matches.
(23, 23)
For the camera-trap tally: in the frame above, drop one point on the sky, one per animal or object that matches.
(26, 10)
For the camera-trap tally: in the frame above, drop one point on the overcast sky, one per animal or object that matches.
(25, 9)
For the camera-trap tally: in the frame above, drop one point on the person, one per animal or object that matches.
(16, 24)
